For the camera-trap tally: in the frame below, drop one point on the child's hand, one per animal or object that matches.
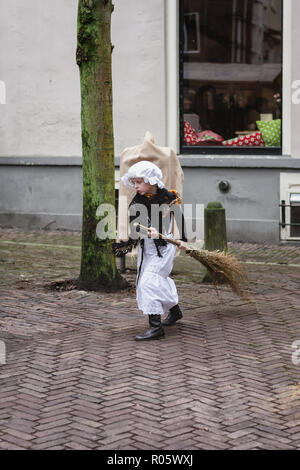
(182, 246)
(152, 233)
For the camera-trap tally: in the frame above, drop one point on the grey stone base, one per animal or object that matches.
(258, 231)
(39, 221)
(46, 192)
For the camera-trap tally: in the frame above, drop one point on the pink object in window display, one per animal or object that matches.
(191, 137)
(250, 140)
(202, 136)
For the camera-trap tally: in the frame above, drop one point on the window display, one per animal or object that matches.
(231, 74)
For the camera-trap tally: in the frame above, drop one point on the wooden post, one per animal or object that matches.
(214, 230)
(123, 264)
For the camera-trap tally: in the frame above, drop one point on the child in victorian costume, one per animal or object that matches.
(155, 291)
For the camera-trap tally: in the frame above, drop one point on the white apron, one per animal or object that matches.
(156, 293)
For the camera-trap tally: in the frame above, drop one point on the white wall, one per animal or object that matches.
(138, 71)
(37, 63)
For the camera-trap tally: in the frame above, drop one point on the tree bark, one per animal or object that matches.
(98, 267)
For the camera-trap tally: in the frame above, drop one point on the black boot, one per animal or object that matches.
(174, 315)
(155, 331)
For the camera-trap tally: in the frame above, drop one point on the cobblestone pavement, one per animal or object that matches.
(74, 378)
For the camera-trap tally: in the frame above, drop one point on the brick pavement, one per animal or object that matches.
(222, 378)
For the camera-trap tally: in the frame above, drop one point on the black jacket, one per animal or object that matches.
(162, 196)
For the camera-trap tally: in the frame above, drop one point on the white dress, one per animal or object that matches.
(156, 293)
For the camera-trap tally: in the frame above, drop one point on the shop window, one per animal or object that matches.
(231, 76)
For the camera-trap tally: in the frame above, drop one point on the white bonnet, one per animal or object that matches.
(146, 170)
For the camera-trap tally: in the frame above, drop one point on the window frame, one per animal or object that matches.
(285, 95)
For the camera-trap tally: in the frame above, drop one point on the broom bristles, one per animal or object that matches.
(221, 266)
(224, 266)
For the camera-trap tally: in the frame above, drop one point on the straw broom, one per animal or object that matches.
(222, 266)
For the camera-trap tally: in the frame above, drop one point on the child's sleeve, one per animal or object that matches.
(177, 202)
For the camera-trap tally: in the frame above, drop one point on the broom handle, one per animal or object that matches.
(170, 240)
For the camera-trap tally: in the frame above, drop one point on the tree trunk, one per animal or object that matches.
(93, 56)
